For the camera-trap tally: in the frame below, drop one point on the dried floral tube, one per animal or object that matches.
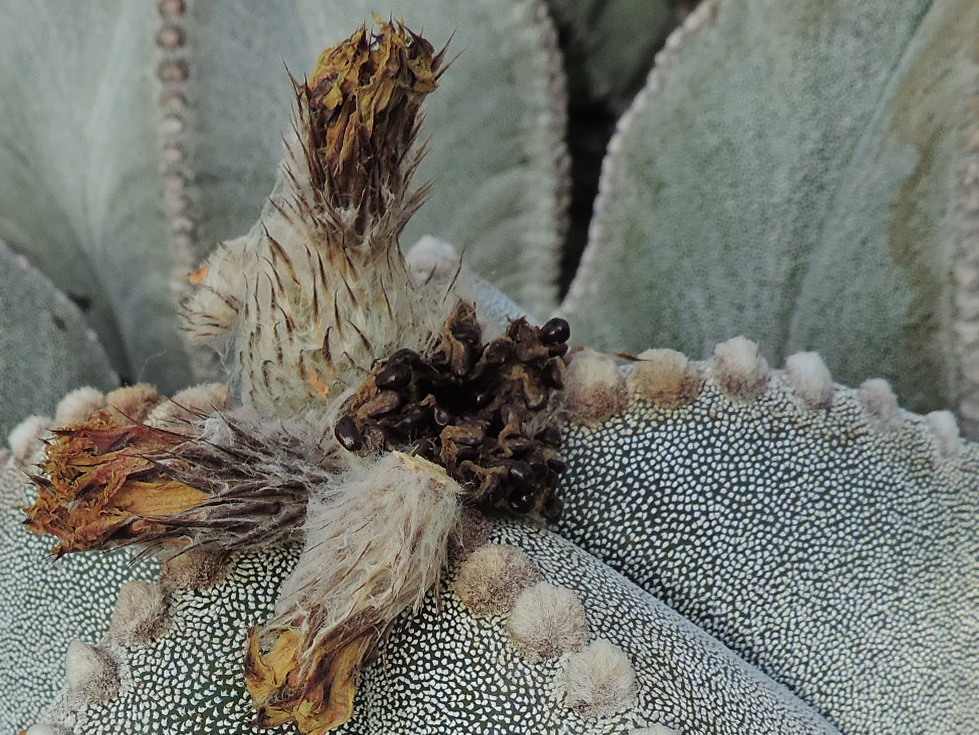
(232, 481)
(376, 543)
(302, 305)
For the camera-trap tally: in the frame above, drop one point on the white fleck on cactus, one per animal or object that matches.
(404, 508)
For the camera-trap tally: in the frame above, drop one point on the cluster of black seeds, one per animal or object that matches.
(478, 410)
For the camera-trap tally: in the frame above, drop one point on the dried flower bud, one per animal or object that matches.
(376, 542)
(361, 103)
(102, 484)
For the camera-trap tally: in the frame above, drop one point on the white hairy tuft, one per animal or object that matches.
(91, 674)
(546, 622)
(665, 378)
(133, 403)
(193, 569)
(880, 403)
(489, 581)
(945, 427)
(810, 378)
(78, 405)
(26, 439)
(739, 369)
(376, 543)
(594, 387)
(139, 615)
(189, 405)
(597, 681)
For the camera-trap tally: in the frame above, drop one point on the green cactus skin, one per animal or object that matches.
(801, 176)
(441, 671)
(832, 544)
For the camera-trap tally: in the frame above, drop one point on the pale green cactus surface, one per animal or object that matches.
(742, 549)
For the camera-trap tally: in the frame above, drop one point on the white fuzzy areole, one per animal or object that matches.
(489, 581)
(665, 378)
(139, 615)
(810, 378)
(945, 427)
(739, 369)
(194, 569)
(91, 674)
(25, 439)
(78, 405)
(597, 681)
(190, 403)
(880, 403)
(134, 402)
(432, 259)
(594, 387)
(547, 621)
(376, 543)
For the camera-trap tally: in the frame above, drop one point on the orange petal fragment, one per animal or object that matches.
(102, 484)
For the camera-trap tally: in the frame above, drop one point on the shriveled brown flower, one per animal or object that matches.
(101, 483)
(361, 106)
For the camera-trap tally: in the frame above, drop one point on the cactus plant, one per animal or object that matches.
(358, 528)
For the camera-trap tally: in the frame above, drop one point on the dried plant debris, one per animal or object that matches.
(376, 543)
(235, 482)
(484, 412)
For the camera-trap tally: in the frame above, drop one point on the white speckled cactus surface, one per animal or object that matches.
(332, 404)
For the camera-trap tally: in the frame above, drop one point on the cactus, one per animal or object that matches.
(405, 507)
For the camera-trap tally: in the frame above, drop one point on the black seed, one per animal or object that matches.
(555, 330)
(412, 422)
(523, 502)
(537, 464)
(441, 416)
(557, 464)
(348, 434)
(521, 474)
(403, 356)
(394, 376)
(551, 435)
(553, 508)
